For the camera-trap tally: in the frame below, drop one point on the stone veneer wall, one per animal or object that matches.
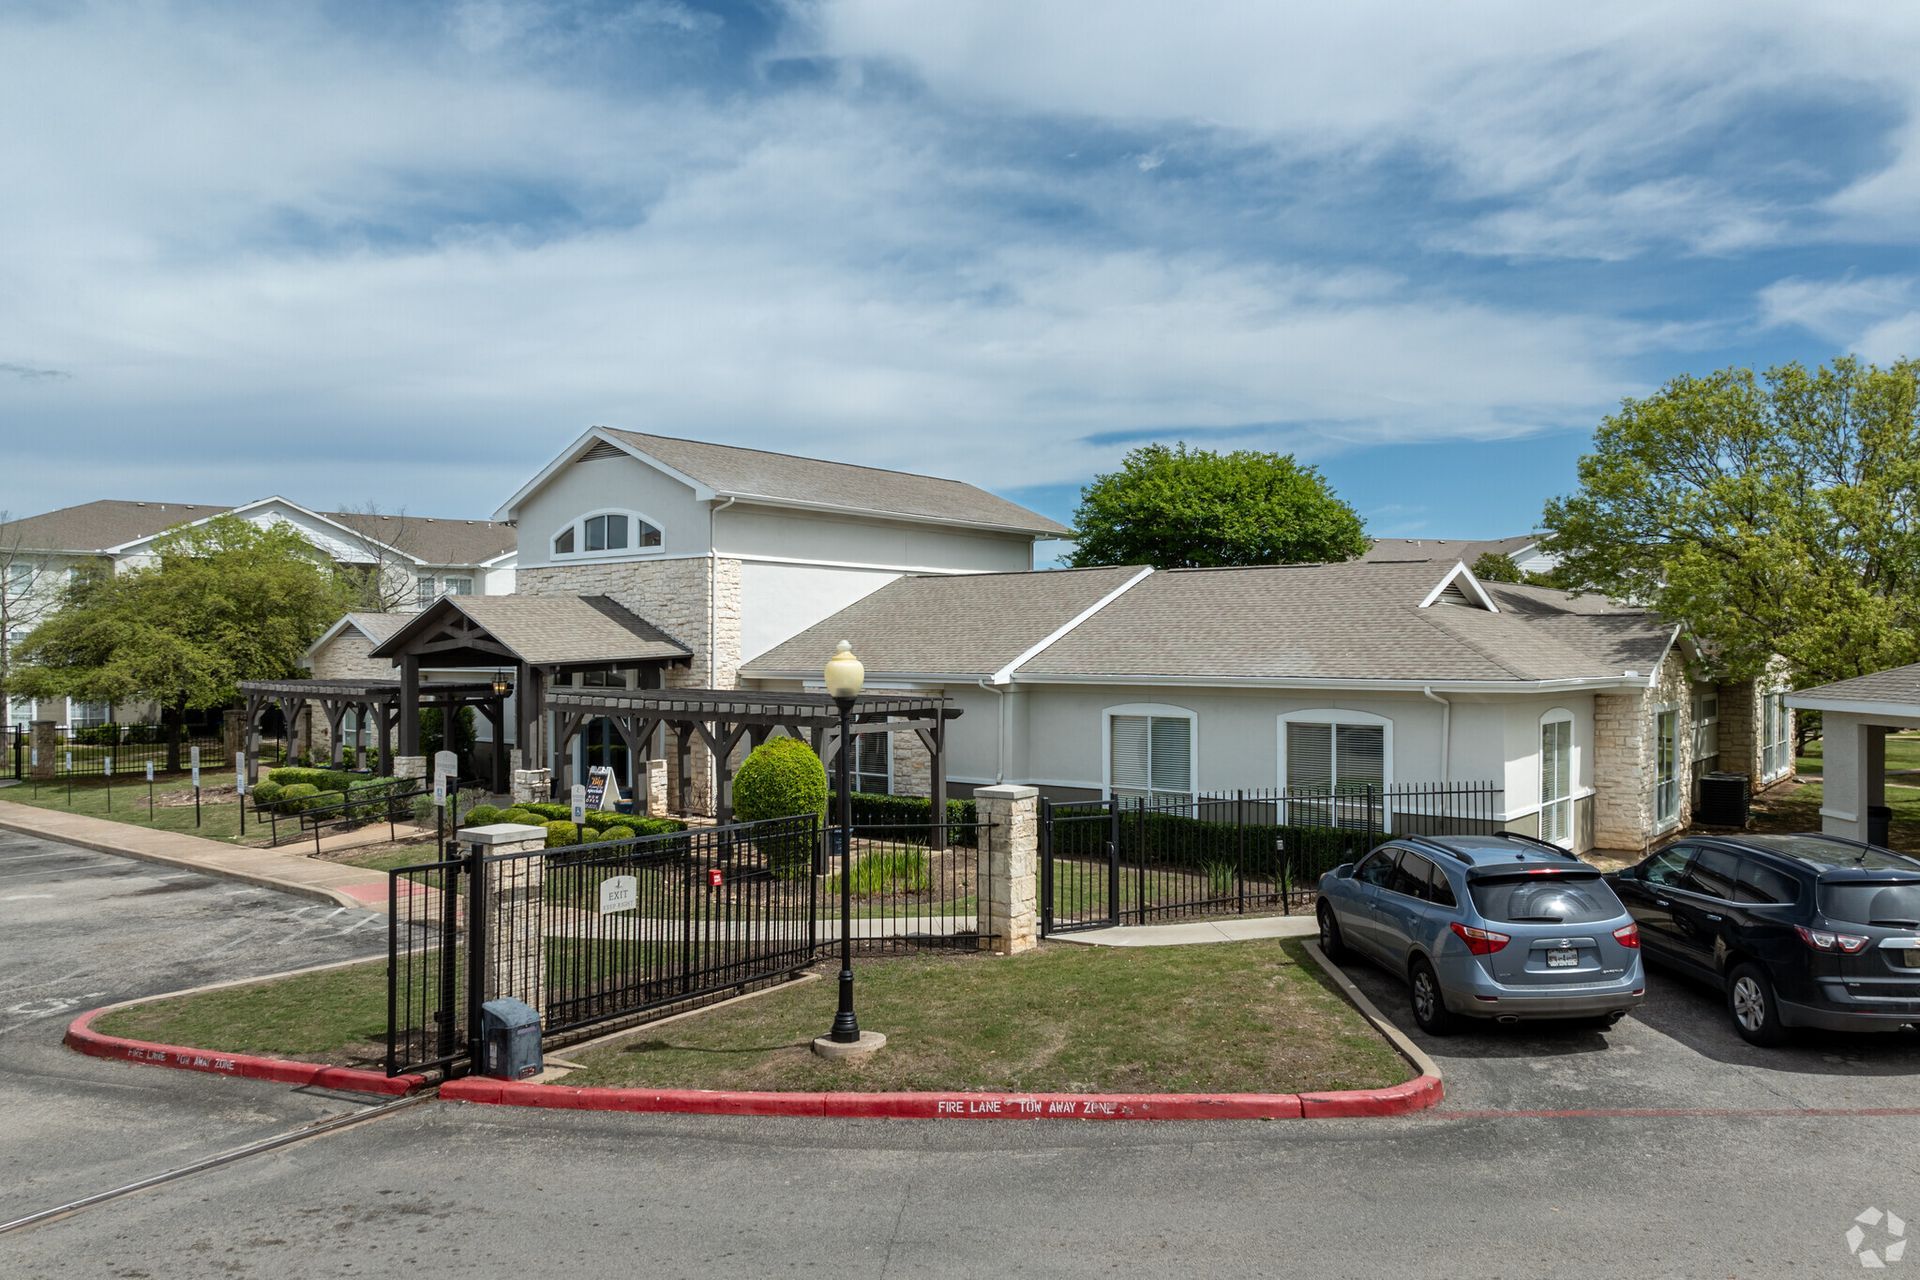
(672, 595)
(1624, 760)
(345, 657)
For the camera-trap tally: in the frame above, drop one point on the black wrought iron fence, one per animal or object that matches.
(429, 1018)
(391, 801)
(1139, 860)
(122, 750)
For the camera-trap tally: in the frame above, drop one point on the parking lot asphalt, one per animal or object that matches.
(1527, 1171)
(1677, 1051)
(80, 929)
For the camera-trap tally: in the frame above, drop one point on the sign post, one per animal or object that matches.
(69, 779)
(149, 792)
(193, 758)
(446, 787)
(579, 804)
(34, 766)
(106, 764)
(240, 784)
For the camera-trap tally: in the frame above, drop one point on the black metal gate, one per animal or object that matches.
(1141, 861)
(593, 933)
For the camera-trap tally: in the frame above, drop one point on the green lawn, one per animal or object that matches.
(1903, 754)
(1240, 1017)
(386, 857)
(173, 807)
(1795, 806)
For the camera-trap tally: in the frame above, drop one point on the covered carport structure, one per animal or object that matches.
(1855, 717)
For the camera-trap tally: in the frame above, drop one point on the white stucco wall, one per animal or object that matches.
(778, 601)
(617, 484)
(747, 532)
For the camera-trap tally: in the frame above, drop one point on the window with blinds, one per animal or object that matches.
(1556, 781)
(1339, 756)
(1666, 767)
(1151, 758)
(870, 766)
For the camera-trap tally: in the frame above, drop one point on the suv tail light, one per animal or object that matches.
(1826, 940)
(1628, 935)
(1481, 942)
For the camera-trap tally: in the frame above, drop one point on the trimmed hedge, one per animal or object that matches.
(293, 796)
(266, 794)
(562, 834)
(782, 778)
(481, 815)
(912, 816)
(614, 833)
(1173, 840)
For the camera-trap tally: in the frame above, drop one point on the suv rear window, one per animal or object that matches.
(1885, 902)
(1560, 897)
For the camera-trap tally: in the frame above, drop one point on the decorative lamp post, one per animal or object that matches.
(844, 678)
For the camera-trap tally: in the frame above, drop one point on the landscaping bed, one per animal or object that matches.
(1251, 1017)
(172, 804)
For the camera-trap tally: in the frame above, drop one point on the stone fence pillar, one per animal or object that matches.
(656, 787)
(515, 942)
(410, 768)
(532, 786)
(1008, 888)
(44, 749)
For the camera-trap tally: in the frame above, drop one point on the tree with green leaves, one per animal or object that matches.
(1494, 566)
(223, 601)
(1773, 514)
(1181, 508)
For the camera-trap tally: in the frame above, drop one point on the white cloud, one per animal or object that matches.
(1877, 317)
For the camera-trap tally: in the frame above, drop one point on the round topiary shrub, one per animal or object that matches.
(266, 794)
(521, 818)
(482, 815)
(323, 799)
(293, 798)
(562, 834)
(615, 833)
(782, 778)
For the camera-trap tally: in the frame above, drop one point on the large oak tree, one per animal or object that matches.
(1773, 513)
(1181, 508)
(223, 601)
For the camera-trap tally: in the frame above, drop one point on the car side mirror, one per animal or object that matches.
(1343, 872)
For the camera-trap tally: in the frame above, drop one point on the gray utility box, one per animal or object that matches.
(510, 1031)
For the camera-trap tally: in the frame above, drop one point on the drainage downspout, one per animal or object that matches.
(1446, 733)
(713, 591)
(1000, 738)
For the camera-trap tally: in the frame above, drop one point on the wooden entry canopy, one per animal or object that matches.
(537, 638)
(721, 718)
(378, 701)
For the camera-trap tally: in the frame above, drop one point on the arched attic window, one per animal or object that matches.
(608, 533)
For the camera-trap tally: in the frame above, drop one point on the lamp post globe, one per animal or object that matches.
(844, 676)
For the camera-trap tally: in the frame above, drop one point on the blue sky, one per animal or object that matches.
(364, 253)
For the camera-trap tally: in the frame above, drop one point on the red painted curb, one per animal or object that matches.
(1399, 1100)
(1417, 1094)
(82, 1038)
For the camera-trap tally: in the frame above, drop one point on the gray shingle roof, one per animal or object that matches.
(97, 526)
(1900, 684)
(1447, 550)
(1355, 621)
(550, 630)
(754, 473)
(934, 625)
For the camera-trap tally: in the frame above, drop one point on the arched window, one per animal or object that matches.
(608, 533)
(1556, 776)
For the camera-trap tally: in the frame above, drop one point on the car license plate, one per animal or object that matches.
(1911, 958)
(1562, 959)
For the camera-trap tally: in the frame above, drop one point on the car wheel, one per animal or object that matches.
(1756, 1015)
(1429, 1005)
(1332, 944)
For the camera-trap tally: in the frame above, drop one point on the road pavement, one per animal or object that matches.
(1735, 1179)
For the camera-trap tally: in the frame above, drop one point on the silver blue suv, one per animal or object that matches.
(1498, 926)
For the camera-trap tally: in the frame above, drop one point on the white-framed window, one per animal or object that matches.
(20, 711)
(1346, 754)
(609, 533)
(1666, 766)
(20, 574)
(871, 765)
(423, 590)
(87, 715)
(1556, 777)
(456, 585)
(1776, 738)
(1706, 731)
(1152, 753)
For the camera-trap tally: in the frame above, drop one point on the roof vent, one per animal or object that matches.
(603, 449)
(1455, 595)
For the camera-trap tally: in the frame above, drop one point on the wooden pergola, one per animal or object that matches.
(384, 704)
(722, 718)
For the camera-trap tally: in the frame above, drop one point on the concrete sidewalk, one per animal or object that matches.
(328, 882)
(1191, 933)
